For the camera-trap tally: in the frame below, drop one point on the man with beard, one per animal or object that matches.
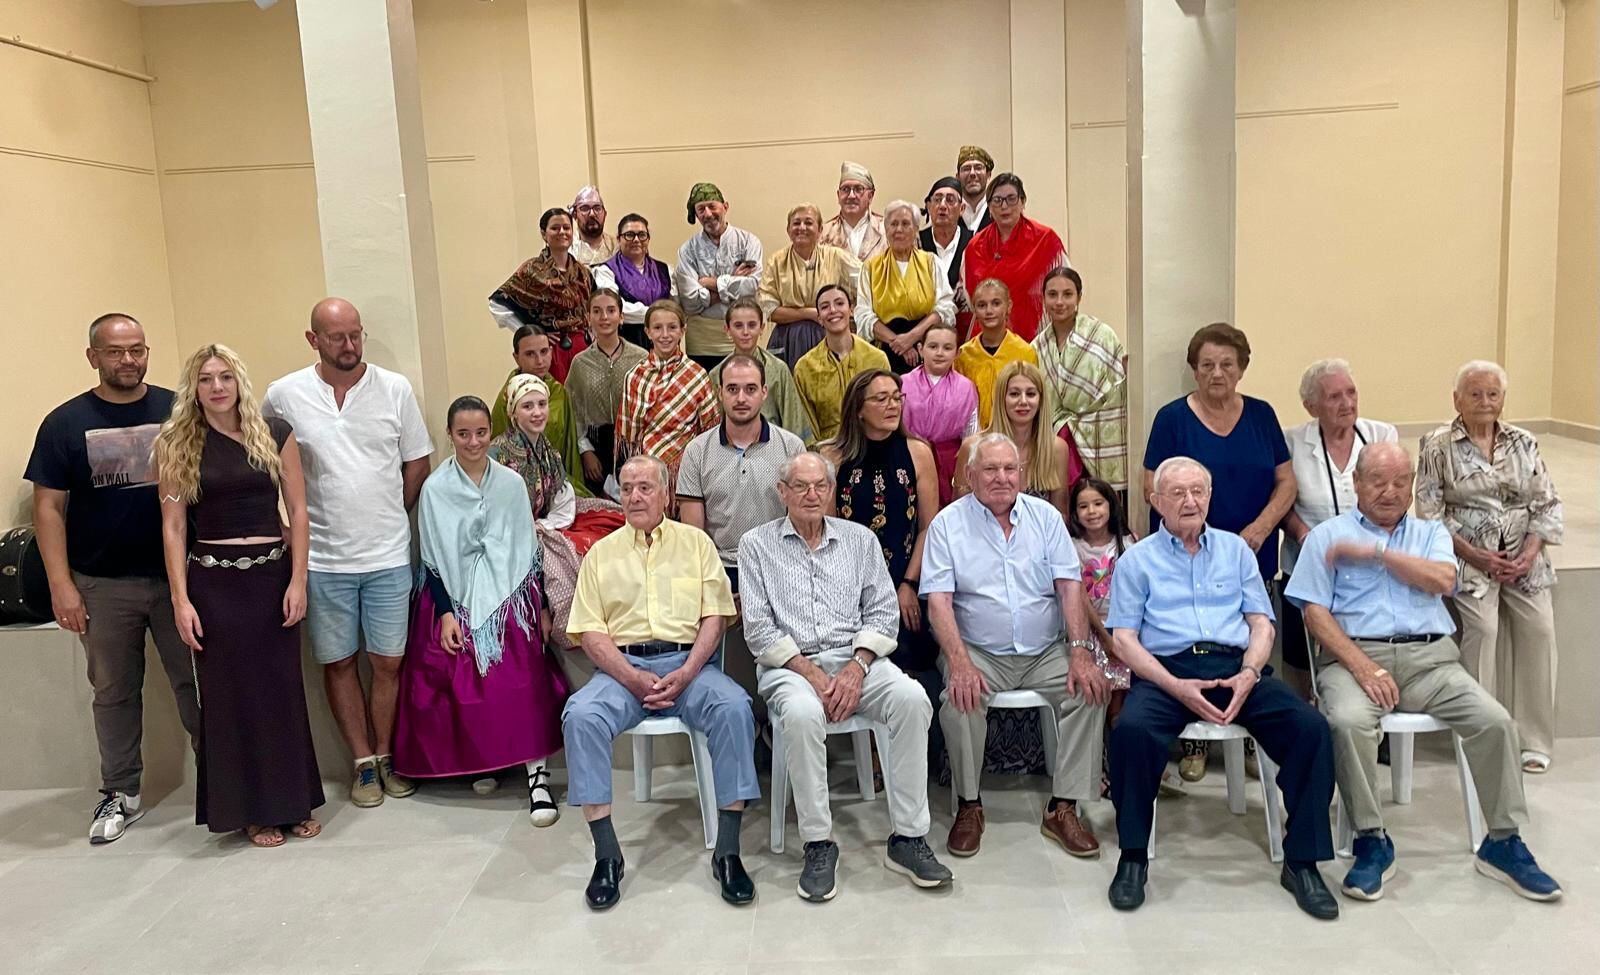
(591, 244)
(366, 455)
(717, 266)
(973, 167)
(108, 583)
(856, 229)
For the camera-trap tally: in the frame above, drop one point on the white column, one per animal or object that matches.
(1180, 195)
(373, 204)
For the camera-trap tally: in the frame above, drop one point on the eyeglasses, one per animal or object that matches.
(808, 488)
(591, 208)
(945, 199)
(884, 399)
(855, 190)
(635, 235)
(1008, 200)
(1179, 494)
(134, 354)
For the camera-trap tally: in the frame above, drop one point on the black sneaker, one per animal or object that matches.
(115, 813)
(912, 856)
(817, 882)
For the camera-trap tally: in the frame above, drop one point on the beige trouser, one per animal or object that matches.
(1524, 679)
(888, 697)
(1431, 681)
(1080, 726)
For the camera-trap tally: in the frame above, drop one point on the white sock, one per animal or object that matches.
(362, 761)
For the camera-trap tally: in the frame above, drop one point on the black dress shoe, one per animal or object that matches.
(1127, 887)
(1313, 896)
(737, 887)
(605, 884)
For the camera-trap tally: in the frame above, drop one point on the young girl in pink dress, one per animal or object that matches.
(941, 405)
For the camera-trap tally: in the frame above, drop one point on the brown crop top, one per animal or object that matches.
(236, 500)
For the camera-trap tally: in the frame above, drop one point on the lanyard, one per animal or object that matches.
(1327, 465)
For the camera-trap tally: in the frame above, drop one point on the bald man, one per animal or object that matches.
(366, 451)
(1372, 583)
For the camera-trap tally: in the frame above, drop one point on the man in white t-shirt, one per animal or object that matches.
(366, 453)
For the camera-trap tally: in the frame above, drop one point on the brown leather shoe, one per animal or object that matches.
(1072, 833)
(967, 831)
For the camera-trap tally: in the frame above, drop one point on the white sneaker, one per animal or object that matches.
(116, 812)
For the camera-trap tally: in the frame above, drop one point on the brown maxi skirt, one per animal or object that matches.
(256, 766)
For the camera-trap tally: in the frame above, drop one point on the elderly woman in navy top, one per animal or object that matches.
(1190, 617)
(1240, 442)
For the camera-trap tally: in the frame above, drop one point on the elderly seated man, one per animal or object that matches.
(1000, 575)
(820, 614)
(1372, 583)
(650, 607)
(1190, 617)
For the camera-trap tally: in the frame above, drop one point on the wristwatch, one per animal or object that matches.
(1088, 645)
(1253, 669)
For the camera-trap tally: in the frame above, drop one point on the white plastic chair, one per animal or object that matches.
(1047, 729)
(644, 734)
(860, 731)
(1233, 738)
(1402, 727)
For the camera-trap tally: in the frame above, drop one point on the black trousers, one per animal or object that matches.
(1293, 734)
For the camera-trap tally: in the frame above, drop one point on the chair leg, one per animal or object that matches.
(1477, 829)
(643, 753)
(705, 784)
(1343, 832)
(1273, 804)
(861, 741)
(1150, 848)
(1402, 754)
(881, 733)
(1047, 733)
(780, 787)
(1233, 763)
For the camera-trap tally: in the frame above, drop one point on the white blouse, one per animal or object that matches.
(1324, 489)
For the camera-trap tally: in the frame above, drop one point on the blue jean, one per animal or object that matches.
(712, 703)
(343, 606)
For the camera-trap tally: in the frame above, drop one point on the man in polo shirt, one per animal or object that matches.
(649, 610)
(728, 479)
(1191, 618)
(366, 451)
(1372, 584)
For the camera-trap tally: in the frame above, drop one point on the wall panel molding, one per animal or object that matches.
(1270, 113)
(76, 160)
(280, 167)
(1581, 86)
(759, 143)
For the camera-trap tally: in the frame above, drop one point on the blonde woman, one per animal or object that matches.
(1022, 412)
(238, 596)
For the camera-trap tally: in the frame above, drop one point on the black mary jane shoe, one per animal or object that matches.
(1313, 896)
(605, 884)
(1127, 887)
(737, 887)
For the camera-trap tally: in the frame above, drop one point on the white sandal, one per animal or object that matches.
(1536, 763)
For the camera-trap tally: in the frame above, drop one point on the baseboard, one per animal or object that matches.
(1576, 431)
(1412, 432)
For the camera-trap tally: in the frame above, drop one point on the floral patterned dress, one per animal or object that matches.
(1098, 561)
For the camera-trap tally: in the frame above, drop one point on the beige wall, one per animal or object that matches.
(80, 214)
(1575, 384)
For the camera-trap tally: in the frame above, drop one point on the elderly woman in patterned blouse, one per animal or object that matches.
(1486, 480)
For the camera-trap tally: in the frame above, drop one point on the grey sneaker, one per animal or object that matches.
(912, 856)
(394, 785)
(365, 791)
(817, 876)
(115, 813)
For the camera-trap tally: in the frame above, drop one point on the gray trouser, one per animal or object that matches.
(121, 610)
(1431, 681)
(1080, 726)
(1524, 679)
(888, 696)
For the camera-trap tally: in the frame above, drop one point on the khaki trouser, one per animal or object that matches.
(1433, 682)
(889, 697)
(1525, 678)
(1080, 726)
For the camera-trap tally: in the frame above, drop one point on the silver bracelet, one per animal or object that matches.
(1088, 645)
(857, 661)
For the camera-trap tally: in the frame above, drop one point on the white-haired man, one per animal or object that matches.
(821, 616)
(1191, 618)
(1001, 577)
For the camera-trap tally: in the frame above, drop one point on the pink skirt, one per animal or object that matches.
(451, 721)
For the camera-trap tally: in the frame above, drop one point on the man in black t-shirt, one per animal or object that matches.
(98, 522)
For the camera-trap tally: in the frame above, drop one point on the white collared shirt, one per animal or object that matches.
(973, 215)
(1324, 489)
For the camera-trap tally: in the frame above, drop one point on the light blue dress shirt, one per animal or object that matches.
(1004, 588)
(1367, 600)
(1175, 600)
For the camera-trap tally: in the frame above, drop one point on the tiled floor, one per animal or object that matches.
(450, 882)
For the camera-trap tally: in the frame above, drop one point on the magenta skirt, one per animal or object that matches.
(451, 721)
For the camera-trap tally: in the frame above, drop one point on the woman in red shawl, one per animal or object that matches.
(551, 291)
(1016, 250)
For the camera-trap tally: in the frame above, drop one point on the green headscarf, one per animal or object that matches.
(700, 193)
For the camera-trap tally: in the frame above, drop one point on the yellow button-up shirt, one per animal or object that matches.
(822, 377)
(636, 587)
(975, 362)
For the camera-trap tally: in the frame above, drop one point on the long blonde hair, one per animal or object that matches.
(1043, 473)
(182, 438)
